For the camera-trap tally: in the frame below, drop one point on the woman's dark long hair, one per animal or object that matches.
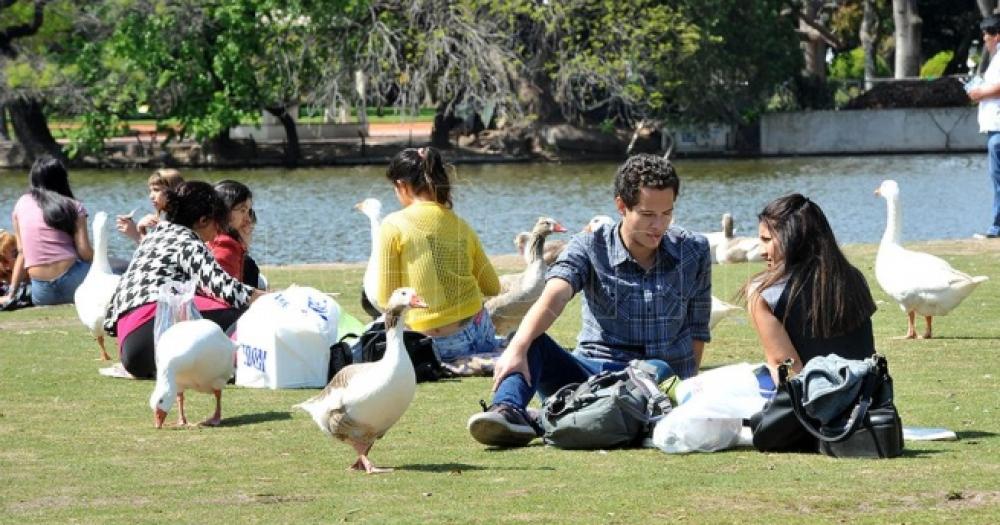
(838, 296)
(232, 193)
(424, 170)
(193, 200)
(50, 189)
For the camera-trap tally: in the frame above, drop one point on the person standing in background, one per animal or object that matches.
(987, 94)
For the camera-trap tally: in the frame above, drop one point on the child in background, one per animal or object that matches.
(8, 255)
(228, 246)
(159, 182)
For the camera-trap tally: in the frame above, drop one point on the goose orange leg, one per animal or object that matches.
(927, 334)
(911, 329)
(182, 419)
(104, 353)
(363, 463)
(217, 416)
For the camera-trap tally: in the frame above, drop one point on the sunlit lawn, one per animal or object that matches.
(75, 446)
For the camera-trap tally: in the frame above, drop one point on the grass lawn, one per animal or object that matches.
(75, 446)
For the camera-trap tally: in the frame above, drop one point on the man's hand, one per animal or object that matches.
(511, 361)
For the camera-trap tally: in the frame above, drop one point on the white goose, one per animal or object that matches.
(364, 400)
(520, 290)
(191, 354)
(94, 293)
(720, 311)
(921, 283)
(372, 208)
(554, 248)
(727, 248)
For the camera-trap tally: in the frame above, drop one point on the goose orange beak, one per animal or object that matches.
(558, 228)
(158, 417)
(417, 302)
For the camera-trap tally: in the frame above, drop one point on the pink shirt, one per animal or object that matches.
(40, 243)
(141, 315)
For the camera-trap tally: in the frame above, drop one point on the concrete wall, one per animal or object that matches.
(268, 132)
(871, 131)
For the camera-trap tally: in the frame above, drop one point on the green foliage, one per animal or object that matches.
(935, 67)
(851, 66)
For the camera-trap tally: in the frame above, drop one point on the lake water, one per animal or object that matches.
(307, 215)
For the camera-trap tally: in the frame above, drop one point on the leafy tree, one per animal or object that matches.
(29, 33)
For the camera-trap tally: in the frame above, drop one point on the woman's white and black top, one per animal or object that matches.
(172, 253)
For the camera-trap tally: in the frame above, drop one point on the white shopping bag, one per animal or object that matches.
(711, 410)
(284, 339)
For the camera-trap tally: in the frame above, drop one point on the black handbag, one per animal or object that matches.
(776, 428)
(870, 428)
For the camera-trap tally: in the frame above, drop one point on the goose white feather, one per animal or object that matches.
(372, 208)
(191, 355)
(364, 400)
(921, 283)
(98, 287)
(721, 310)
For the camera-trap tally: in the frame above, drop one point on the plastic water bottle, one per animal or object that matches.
(974, 81)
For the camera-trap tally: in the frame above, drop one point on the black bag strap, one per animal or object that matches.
(858, 413)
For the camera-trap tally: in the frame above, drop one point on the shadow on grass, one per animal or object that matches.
(910, 452)
(251, 419)
(450, 468)
(973, 434)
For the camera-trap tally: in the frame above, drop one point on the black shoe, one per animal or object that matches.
(985, 236)
(503, 425)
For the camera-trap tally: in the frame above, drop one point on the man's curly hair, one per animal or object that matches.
(644, 170)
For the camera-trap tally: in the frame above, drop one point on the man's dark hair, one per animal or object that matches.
(990, 24)
(644, 170)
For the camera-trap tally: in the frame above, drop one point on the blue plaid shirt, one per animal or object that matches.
(631, 313)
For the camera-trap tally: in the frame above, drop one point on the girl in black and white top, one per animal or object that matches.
(810, 301)
(174, 251)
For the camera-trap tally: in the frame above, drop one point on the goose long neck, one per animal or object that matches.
(536, 248)
(376, 223)
(893, 223)
(394, 348)
(100, 260)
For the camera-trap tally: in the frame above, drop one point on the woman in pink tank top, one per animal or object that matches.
(50, 226)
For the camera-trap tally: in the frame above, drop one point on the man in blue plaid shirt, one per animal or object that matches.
(647, 295)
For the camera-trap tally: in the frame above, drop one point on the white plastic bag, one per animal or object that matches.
(175, 304)
(284, 339)
(711, 410)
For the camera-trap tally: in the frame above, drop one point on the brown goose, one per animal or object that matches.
(364, 400)
(520, 290)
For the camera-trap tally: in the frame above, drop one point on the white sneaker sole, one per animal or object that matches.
(490, 428)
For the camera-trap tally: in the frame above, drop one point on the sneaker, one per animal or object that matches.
(503, 426)
(985, 236)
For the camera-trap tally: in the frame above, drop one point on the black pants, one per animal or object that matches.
(137, 349)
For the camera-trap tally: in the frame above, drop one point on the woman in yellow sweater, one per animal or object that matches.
(428, 247)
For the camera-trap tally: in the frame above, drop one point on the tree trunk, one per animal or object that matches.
(908, 25)
(813, 45)
(31, 129)
(293, 152)
(869, 39)
(3, 123)
(443, 124)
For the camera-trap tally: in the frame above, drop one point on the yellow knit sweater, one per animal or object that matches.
(427, 247)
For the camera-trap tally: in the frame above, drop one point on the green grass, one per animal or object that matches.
(75, 446)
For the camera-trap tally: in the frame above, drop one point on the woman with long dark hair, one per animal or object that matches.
(229, 247)
(174, 251)
(810, 301)
(50, 226)
(426, 246)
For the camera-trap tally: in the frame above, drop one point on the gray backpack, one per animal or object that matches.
(609, 410)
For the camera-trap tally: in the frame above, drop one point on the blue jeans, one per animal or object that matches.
(61, 289)
(551, 368)
(993, 155)
(478, 336)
